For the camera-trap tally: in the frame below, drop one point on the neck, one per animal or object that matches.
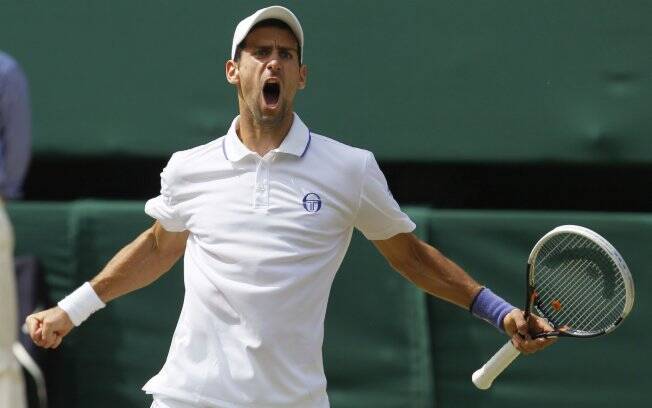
(262, 137)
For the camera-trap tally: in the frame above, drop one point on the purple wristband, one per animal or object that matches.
(490, 307)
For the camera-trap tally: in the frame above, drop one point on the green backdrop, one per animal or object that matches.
(448, 80)
(493, 246)
(387, 344)
(372, 359)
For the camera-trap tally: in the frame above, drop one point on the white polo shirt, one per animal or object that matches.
(267, 235)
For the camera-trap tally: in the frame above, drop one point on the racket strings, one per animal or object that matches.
(567, 290)
(586, 305)
(578, 284)
(546, 278)
(588, 309)
(575, 288)
(595, 311)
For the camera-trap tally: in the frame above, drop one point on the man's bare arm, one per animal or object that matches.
(431, 271)
(138, 264)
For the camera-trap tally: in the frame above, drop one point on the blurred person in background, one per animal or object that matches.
(15, 145)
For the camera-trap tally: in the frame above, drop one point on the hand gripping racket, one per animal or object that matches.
(578, 282)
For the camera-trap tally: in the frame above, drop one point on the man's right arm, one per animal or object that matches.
(136, 265)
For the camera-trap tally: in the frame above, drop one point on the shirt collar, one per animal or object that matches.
(296, 142)
(234, 149)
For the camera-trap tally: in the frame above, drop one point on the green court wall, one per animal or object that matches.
(461, 81)
(387, 344)
(493, 246)
(371, 359)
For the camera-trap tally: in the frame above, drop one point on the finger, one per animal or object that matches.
(36, 334)
(521, 323)
(518, 343)
(534, 345)
(37, 338)
(539, 325)
(32, 323)
(514, 322)
(542, 343)
(525, 346)
(32, 331)
(47, 333)
(52, 341)
(57, 343)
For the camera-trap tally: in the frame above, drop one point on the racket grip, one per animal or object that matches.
(485, 375)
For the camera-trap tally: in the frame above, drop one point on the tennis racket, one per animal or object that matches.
(578, 282)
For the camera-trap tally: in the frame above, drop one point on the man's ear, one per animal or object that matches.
(232, 72)
(303, 76)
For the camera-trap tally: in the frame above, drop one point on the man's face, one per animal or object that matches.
(268, 74)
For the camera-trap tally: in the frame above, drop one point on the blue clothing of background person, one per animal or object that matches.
(15, 128)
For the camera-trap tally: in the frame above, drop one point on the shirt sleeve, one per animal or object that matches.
(15, 131)
(379, 216)
(164, 208)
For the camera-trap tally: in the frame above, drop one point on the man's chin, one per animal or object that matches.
(273, 116)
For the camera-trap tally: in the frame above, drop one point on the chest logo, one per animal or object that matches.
(311, 202)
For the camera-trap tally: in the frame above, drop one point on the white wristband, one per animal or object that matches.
(81, 303)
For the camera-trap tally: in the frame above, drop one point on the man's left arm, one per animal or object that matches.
(433, 272)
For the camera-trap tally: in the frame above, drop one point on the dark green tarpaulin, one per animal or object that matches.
(381, 349)
(372, 359)
(451, 80)
(493, 246)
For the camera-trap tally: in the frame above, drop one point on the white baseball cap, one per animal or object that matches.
(273, 12)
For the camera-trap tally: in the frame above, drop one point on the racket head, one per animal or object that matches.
(579, 282)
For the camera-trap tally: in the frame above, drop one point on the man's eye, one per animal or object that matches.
(261, 52)
(285, 55)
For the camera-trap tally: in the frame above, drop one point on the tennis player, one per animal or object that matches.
(264, 216)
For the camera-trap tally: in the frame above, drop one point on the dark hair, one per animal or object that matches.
(272, 22)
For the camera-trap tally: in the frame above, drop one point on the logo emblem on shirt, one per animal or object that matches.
(311, 202)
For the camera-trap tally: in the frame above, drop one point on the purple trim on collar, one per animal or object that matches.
(307, 144)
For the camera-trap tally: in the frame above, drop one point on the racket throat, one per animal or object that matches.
(531, 294)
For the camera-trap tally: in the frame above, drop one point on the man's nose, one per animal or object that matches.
(274, 64)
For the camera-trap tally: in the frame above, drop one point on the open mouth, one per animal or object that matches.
(271, 93)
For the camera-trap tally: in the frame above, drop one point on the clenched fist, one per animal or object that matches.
(47, 328)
